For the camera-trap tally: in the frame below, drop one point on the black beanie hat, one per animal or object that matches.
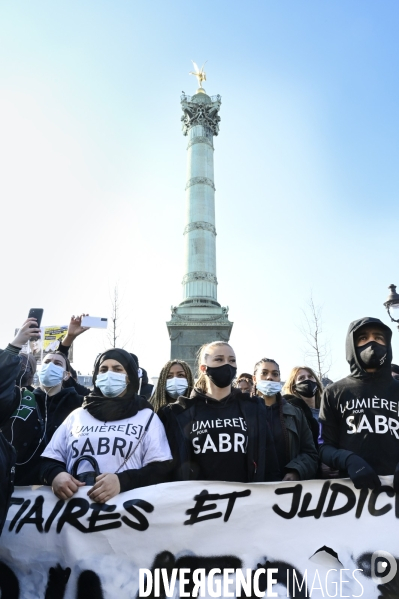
(127, 361)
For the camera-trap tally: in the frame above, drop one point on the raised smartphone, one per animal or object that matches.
(95, 322)
(38, 314)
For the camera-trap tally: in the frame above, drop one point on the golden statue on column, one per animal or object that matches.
(200, 74)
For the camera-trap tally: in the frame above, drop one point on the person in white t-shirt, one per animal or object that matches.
(117, 428)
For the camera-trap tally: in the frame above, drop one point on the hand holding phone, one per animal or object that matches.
(25, 332)
(37, 314)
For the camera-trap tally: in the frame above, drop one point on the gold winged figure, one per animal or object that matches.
(199, 73)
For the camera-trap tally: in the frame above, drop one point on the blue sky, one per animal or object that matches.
(93, 165)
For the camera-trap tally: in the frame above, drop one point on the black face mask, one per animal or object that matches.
(372, 355)
(221, 376)
(306, 388)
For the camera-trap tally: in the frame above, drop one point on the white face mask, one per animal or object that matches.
(176, 386)
(268, 387)
(51, 375)
(111, 384)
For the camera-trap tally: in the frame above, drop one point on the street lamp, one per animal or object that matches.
(392, 303)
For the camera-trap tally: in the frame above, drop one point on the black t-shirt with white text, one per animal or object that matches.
(219, 440)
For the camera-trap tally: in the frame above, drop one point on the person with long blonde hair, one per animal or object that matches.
(219, 433)
(303, 389)
(175, 379)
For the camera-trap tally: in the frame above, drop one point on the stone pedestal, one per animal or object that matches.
(191, 326)
(199, 318)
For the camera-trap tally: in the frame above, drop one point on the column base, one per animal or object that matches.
(193, 323)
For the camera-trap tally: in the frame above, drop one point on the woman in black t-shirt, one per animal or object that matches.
(217, 433)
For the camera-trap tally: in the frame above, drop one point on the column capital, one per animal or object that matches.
(201, 110)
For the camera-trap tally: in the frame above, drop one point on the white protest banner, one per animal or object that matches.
(183, 532)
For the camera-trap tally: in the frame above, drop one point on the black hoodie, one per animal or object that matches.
(206, 438)
(360, 413)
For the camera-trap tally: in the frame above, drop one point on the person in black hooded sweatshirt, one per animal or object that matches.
(218, 433)
(359, 414)
(117, 428)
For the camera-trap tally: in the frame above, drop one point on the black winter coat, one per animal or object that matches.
(33, 423)
(303, 455)
(360, 413)
(313, 424)
(7, 463)
(261, 459)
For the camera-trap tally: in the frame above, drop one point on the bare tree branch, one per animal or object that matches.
(317, 350)
(115, 332)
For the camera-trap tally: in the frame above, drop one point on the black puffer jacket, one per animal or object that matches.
(360, 413)
(261, 457)
(33, 422)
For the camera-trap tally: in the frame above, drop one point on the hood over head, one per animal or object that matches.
(357, 369)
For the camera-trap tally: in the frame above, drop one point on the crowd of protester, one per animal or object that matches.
(210, 425)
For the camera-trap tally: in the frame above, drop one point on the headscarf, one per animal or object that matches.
(116, 408)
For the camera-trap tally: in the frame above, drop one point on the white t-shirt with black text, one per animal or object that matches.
(109, 442)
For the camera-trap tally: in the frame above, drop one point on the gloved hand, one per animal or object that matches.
(361, 474)
(396, 479)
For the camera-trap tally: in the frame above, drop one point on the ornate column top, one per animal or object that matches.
(201, 110)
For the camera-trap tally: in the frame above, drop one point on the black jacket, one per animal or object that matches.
(261, 457)
(7, 472)
(30, 429)
(298, 402)
(146, 387)
(360, 413)
(303, 455)
(80, 389)
(7, 460)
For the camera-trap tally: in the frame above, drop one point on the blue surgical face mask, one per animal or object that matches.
(51, 375)
(111, 384)
(268, 387)
(176, 386)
